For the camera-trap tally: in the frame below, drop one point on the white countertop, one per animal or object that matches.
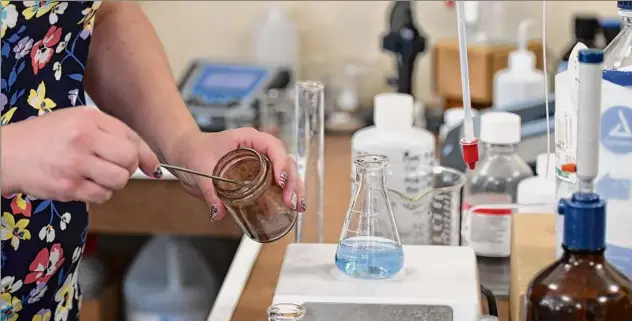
(235, 281)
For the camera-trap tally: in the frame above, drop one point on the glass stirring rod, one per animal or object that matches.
(190, 171)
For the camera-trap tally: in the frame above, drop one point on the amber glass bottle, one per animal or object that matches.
(581, 285)
(257, 206)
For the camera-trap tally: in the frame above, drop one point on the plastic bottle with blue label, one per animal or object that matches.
(614, 182)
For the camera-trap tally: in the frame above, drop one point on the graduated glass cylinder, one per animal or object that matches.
(309, 131)
(369, 246)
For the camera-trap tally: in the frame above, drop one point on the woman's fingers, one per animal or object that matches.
(215, 205)
(113, 149)
(105, 174)
(293, 192)
(147, 160)
(91, 192)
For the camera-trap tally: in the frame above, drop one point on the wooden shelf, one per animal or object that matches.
(153, 207)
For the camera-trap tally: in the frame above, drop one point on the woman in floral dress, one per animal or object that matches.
(57, 155)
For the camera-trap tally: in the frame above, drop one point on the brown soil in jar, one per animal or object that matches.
(258, 206)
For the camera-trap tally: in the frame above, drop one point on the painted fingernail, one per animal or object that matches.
(214, 212)
(158, 172)
(303, 204)
(293, 200)
(282, 179)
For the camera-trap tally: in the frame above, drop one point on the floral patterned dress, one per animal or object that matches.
(44, 49)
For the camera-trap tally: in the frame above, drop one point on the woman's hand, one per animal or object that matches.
(201, 151)
(77, 153)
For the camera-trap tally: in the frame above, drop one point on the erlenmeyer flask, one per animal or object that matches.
(369, 246)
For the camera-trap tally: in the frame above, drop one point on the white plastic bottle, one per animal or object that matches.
(275, 41)
(539, 189)
(408, 148)
(521, 82)
(168, 280)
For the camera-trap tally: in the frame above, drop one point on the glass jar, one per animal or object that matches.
(285, 312)
(257, 206)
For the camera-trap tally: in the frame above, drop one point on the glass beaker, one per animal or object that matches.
(309, 131)
(257, 206)
(369, 246)
(426, 203)
(285, 312)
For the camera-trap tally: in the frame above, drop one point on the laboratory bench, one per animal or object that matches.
(161, 206)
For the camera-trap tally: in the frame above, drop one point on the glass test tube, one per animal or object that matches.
(310, 146)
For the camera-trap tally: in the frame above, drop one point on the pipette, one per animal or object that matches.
(469, 142)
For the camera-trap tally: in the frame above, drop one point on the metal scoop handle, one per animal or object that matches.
(186, 170)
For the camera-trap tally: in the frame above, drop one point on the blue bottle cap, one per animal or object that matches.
(610, 23)
(625, 5)
(584, 222)
(590, 56)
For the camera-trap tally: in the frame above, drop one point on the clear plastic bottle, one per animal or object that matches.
(369, 246)
(168, 280)
(618, 54)
(616, 143)
(494, 181)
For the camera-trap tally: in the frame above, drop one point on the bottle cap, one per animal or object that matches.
(590, 56)
(540, 165)
(393, 111)
(521, 60)
(276, 14)
(625, 5)
(501, 128)
(610, 23)
(584, 222)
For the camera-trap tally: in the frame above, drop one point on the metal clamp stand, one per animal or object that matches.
(406, 41)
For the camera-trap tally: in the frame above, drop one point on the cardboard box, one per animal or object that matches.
(532, 249)
(483, 61)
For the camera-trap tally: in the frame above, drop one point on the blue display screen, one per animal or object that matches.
(219, 84)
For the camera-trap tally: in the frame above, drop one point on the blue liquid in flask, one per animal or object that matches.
(366, 257)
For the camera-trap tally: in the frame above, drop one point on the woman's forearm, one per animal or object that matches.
(128, 76)
(8, 174)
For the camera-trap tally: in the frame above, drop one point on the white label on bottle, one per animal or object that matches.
(148, 316)
(566, 106)
(488, 230)
(408, 176)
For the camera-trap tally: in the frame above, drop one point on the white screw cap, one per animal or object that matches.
(502, 128)
(393, 111)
